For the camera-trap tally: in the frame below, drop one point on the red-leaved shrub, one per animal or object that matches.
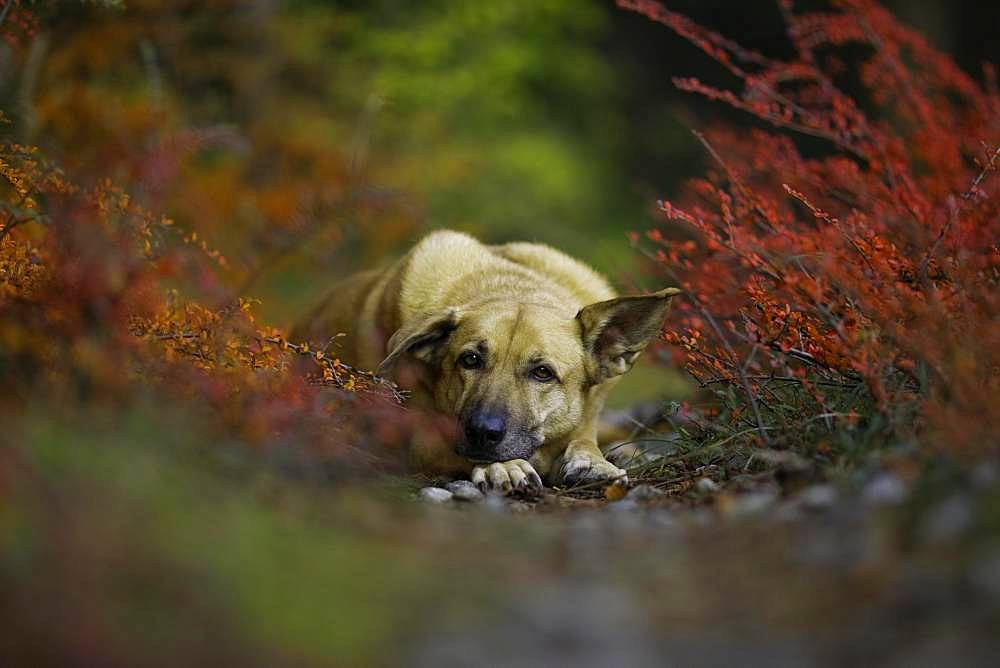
(847, 283)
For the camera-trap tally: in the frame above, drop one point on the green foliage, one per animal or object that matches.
(500, 117)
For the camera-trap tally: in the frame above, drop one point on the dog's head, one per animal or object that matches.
(517, 375)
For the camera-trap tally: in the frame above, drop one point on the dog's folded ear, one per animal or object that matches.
(616, 331)
(424, 340)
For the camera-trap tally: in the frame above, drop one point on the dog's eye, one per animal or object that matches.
(543, 374)
(470, 360)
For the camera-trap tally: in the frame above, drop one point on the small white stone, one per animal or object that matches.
(624, 505)
(435, 495)
(949, 520)
(752, 503)
(644, 493)
(818, 497)
(463, 490)
(706, 485)
(884, 489)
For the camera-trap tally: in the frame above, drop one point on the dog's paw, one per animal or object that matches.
(583, 467)
(517, 474)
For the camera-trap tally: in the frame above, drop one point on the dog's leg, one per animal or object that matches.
(583, 462)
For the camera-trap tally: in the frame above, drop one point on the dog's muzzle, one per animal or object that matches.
(489, 437)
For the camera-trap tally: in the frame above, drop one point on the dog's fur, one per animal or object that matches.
(474, 328)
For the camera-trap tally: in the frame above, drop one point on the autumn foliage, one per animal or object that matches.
(841, 259)
(105, 301)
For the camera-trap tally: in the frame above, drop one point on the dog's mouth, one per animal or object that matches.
(463, 450)
(477, 460)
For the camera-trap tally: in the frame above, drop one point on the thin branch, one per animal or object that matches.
(336, 366)
(369, 380)
(747, 387)
(953, 215)
(987, 168)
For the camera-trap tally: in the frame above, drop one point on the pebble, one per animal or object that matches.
(949, 520)
(623, 506)
(751, 503)
(884, 489)
(463, 490)
(643, 493)
(818, 497)
(706, 485)
(435, 495)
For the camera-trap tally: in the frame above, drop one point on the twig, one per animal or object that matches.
(833, 220)
(15, 222)
(369, 379)
(742, 374)
(394, 390)
(734, 178)
(966, 196)
(780, 379)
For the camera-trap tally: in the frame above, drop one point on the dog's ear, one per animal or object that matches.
(616, 331)
(424, 340)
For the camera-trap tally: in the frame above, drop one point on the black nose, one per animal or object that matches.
(485, 430)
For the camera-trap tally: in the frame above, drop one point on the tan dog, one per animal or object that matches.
(521, 343)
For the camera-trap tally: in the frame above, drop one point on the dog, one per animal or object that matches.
(519, 342)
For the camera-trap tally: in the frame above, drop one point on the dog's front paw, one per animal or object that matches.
(583, 466)
(517, 474)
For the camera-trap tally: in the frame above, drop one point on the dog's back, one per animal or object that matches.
(585, 284)
(450, 268)
(445, 269)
